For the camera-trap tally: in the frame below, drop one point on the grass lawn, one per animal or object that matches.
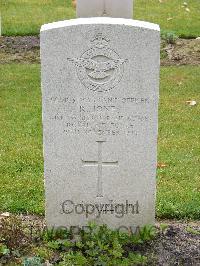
(171, 15)
(21, 164)
(179, 144)
(24, 17)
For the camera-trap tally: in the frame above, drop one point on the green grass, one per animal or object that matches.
(24, 17)
(171, 16)
(21, 164)
(179, 142)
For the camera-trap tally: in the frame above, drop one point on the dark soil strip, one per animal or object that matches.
(183, 52)
(26, 50)
(19, 49)
(179, 244)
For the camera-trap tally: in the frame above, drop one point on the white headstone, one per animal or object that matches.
(100, 80)
(108, 8)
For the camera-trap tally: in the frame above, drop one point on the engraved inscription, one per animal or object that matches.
(102, 116)
(100, 163)
(100, 68)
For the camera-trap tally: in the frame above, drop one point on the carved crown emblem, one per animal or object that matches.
(100, 41)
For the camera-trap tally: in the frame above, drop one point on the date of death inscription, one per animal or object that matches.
(103, 116)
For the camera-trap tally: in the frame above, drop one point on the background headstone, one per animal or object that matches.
(108, 8)
(100, 80)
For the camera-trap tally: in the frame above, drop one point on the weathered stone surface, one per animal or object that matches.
(100, 79)
(88, 8)
(108, 8)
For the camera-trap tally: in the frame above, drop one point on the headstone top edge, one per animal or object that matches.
(100, 20)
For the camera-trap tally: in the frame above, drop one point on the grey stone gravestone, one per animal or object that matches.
(100, 81)
(109, 8)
